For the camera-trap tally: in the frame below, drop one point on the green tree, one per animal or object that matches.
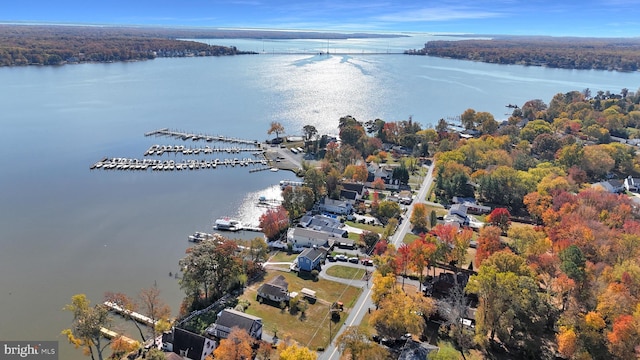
(315, 180)
(86, 325)
(535, 128)
(511, 308)
(468, 119)
(573, 263)
(297, 200)
(369, 238)
(387, 210)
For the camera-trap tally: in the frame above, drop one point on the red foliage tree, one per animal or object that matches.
(501, 218)
(488, 243)
(274, 221)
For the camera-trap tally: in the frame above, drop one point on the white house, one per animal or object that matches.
(632, 184)
(301, 237)
(335, 206)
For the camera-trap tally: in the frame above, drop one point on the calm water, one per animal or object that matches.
(67, 230)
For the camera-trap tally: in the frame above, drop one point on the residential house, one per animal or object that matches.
(458, 216)
(340, 207)
(614, 186)
(276, 289)
(348, 195)
(301, 237)
(191, 346)
(632, 184)
(355, 187)
(471, 204)
(230, 318)
(310, 259)
(415, 350)
(324, 224)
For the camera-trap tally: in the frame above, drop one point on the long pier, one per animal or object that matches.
(196, 137)
(171, 165)
(159, 150)
(132, 314)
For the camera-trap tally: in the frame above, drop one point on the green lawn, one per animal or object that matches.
(345, 272)
(311, 330)
(367, 227)
(282, 256)
(409, 238)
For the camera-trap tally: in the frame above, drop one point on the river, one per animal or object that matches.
(65, 229)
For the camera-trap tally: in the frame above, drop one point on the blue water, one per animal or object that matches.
(65, 229)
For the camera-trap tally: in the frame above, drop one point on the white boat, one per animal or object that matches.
(200, 236)
(228, 224)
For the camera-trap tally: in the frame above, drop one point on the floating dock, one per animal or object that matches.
(132, 314)
(196, 137)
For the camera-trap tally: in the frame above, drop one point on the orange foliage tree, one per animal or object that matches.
(237, 346)
(488, 243)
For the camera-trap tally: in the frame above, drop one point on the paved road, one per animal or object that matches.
(364, 303)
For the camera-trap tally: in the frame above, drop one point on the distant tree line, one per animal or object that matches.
(57, 45)
(565, 53)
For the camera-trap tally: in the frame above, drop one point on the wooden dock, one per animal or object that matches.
(171, 165)
(132, 314)
(160, 150)
(109, 334)
(196, 137)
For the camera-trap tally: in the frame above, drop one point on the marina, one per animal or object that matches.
(196, 137)
(171, 165)
(160, 150)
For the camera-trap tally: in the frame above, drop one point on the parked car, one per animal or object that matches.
(341, 257)
(330, 258)
(367, 262)
(353, 260)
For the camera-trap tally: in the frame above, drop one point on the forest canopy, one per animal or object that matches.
(565, 52)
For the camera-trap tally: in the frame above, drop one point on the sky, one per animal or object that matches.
(589, 18)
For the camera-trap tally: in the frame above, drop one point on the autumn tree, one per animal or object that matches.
(369, 238)
(419, 218)
(152, 306)
(421, 254)
(383, 286)
(488, 243)
(356, 173)
(501, 218)
(511, 307)
(400, 313)
(210, 268)
(129, 305)
(297, 200)
(387, 210)
(275, 127)
(274, 222)
(237, 346)
(315, 180)
(353, 341)
(624, 339)
(85, 329)
(290, 351)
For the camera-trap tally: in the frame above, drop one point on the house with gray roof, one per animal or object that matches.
(302, 237)
(230, 318)
(276, 289)
(310, 259)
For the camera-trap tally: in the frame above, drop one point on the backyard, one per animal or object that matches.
(312, 328)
